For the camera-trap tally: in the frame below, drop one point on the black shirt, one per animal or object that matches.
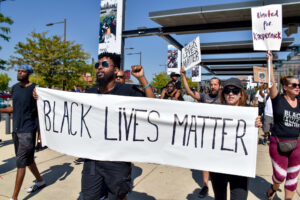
(24, 109)
(177, 84)
(286, 118)
(120, 89)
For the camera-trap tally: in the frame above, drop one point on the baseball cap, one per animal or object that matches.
(27, 68)
(233, 82)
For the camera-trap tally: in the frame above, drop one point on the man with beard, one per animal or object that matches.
(212, 97)
(24, 129)
(99, 177)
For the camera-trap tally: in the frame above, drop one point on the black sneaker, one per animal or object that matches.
(78, 161)
(203, 192)
(265, 140)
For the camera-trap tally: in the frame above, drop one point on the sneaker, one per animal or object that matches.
(78, 161)
(203, 192)
(265, 140)
(36, 186)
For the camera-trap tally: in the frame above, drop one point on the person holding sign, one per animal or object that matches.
(212, 97)
(114, 177)
(233, 94)
(284, 141)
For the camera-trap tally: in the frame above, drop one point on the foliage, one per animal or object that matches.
(160, 81)
(3, 34)
(4, 80)
(55, 63)
(191, 84)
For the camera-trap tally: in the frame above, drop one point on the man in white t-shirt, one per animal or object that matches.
(268, 118)
(259, 97)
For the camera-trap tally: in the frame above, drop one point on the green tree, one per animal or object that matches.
(4, 30)
(4, 80)
(55, 62)
(191, 83)
(160, 81)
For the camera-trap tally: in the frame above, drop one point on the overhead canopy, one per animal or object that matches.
(223, 17)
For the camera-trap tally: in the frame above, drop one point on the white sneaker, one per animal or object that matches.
(36, 186)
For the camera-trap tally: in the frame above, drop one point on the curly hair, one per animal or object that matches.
(116, 58)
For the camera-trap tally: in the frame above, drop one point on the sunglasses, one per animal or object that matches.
(120, 76)
(294, 85)
(103, 64)
(233, 90)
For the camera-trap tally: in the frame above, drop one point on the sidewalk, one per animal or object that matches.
(151, 181)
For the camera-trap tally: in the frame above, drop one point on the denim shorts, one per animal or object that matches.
(24, 148)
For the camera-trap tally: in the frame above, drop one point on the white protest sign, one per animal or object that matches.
(191, 54)
(173, 64)
(196, 73)
(111, 26)
(202, 136)
(267, 27)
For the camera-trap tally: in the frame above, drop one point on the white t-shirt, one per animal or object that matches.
(268, 107)
(260, 98)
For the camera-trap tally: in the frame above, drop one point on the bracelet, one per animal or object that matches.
(146, 86)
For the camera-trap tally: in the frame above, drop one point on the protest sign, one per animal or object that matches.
(267, 27)
(111, 26)
(196, 73)
(191, 54)
(260, 74)
(203, 136)
(173, 60)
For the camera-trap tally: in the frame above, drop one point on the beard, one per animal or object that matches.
(103, 81)
(22, 78)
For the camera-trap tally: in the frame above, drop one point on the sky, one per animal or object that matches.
(83, 27)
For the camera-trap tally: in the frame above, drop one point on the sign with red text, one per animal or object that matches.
(267, 27)
(137, 129)
(191, 54)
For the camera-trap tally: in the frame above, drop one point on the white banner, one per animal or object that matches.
(173, 64)
(111, 26)
(267, 27)
(202, 136)
(191, 54)
(196, 73)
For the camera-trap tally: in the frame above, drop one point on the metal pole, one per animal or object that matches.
(7, 124)
(65, 29)
(140, 58)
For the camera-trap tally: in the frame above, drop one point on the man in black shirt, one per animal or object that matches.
(99, 177)
(24, 129)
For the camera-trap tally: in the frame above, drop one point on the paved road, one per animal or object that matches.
(151, 181)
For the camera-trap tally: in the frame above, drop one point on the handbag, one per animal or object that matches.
(286, 146)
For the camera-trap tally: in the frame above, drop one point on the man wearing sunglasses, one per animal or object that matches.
(109, 178)
(213, 98)
(120, 76)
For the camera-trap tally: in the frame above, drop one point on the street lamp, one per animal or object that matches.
(140, 53)
(61, 22)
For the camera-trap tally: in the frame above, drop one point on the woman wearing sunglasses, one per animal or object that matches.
(233, 94)
(286, 113)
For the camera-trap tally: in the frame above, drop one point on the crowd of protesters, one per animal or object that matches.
(278, 116)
